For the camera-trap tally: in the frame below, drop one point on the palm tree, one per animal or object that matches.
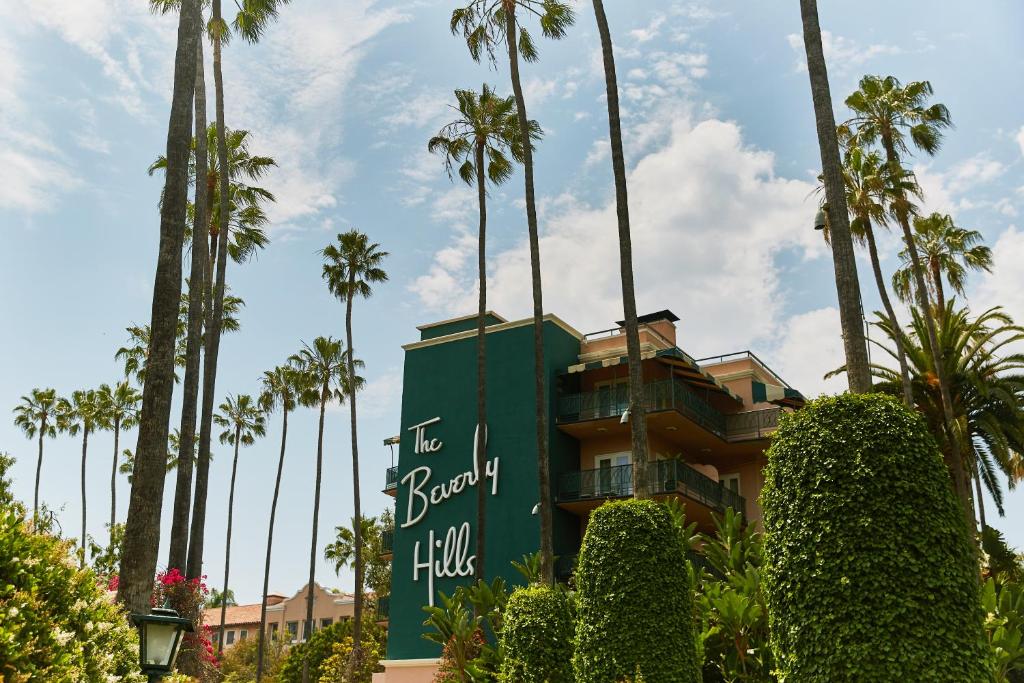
(242, 421)
(85, 412)
(342, 551)
(870, 192)
(987, 388)
(947, 251)
(135, 353)
(886, 111)
(483, 24)
(217, 598)
(122, 412)
(480, 141)
(351, 268)
(324, 369)
(637, 411)
(36, 415)
(845, 264)
(142, 529)
(282, 387)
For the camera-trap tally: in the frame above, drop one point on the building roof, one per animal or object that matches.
(234, 615)
(663, 314)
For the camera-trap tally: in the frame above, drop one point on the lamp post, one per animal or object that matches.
(160, 634)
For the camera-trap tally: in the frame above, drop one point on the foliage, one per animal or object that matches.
(320, 647)
(483, 25)
(529, 568)
(217, 598)
(460, 625)
(632, 565)
(187, 596)
(946, 250)
(537, 636)
(238, 665)
(1004, 627)
(335, 667)
(106, 560)
(378, 570)
(1001, 562)
(59, 623)
(731, 603)
(851, 594)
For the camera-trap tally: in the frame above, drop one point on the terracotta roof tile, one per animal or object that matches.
(238, 614)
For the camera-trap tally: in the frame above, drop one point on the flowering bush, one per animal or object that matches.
(57, 623)
(186, 596)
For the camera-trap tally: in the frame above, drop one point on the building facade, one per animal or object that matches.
(285, 616)
(708, 421)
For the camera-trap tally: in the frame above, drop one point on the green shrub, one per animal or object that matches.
(537, 637)
(321, 646)
(635, 607)
(56, 622)
(870, 574)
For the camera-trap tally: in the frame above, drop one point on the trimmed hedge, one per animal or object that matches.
(870, 573)
(634, 602)
(537, 637)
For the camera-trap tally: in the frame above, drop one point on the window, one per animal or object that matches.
(243, 634)
(231, 638)
(273, 630)
(614, 475)
(612, 396)
(293, 630)
(731, 482)
(325, 622)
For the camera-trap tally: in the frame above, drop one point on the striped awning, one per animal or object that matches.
(779, 395)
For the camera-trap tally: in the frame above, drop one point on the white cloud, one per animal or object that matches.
(649, 32)
(811, 346)
(537, 90)
(382, 395)
(842, 54)
(708, 218)
(599, 151)
(1002, 287)
(1020, 139)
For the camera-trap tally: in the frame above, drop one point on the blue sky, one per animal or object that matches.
(719, 140)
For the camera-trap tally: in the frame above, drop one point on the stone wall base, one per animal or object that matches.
(407, 671)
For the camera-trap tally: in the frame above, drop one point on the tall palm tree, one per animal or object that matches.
(987, 386)
(484, 24)
(324, 367)
(342, 550)
(637, 411)
(886, 111)
(87, 412)
(480, 141)
(351, 268)
(242, 421)
(847, 285)
(870, 192)
(142, 529)
(282, 387)
(122, 412)
(36, 415)
(948, 251)
(135, 353)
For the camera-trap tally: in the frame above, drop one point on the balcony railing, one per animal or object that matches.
(666, 476)
(671, 394)
(383, 608)
(391, 478)
(387, 542)
(661, 395)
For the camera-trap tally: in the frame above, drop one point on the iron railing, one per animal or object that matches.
(391, 478)
(666, 476)
(753, 424)
(383, 608)
(669, 394)
(387, 542)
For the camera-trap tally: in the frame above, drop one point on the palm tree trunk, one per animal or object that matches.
(637, 409)
(954, 460)
(142, 527)
(858, 372)
(270, 545)
(481, 373)
(113, 476)
(213, 327)
(977, 489)
(85, 447)
(901, 354)
(227, 543)
(39, 473)
(178, 552)
(357, 626)
(540, 403)
(940, 295)
(307, 629)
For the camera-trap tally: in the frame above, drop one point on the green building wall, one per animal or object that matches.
(440, 381)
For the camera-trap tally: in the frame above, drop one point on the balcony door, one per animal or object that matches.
(612, 396)
(614, 474)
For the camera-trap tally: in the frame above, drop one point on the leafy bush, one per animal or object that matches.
(58, 623)
(537, 637)
(460, 625)
(1004, 628)
(335, 667)
(870, 573)
(321, 646)
(238, 665)
(635, 607)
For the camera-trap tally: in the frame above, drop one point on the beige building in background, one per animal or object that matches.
(285, 616)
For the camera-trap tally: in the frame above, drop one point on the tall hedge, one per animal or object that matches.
(635, 612)
(537, 637)
(870, 572)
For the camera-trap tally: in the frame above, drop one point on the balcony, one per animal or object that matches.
(387, 543)
(383, 608)
(667, 477)
(391, 480)
(669, 395)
